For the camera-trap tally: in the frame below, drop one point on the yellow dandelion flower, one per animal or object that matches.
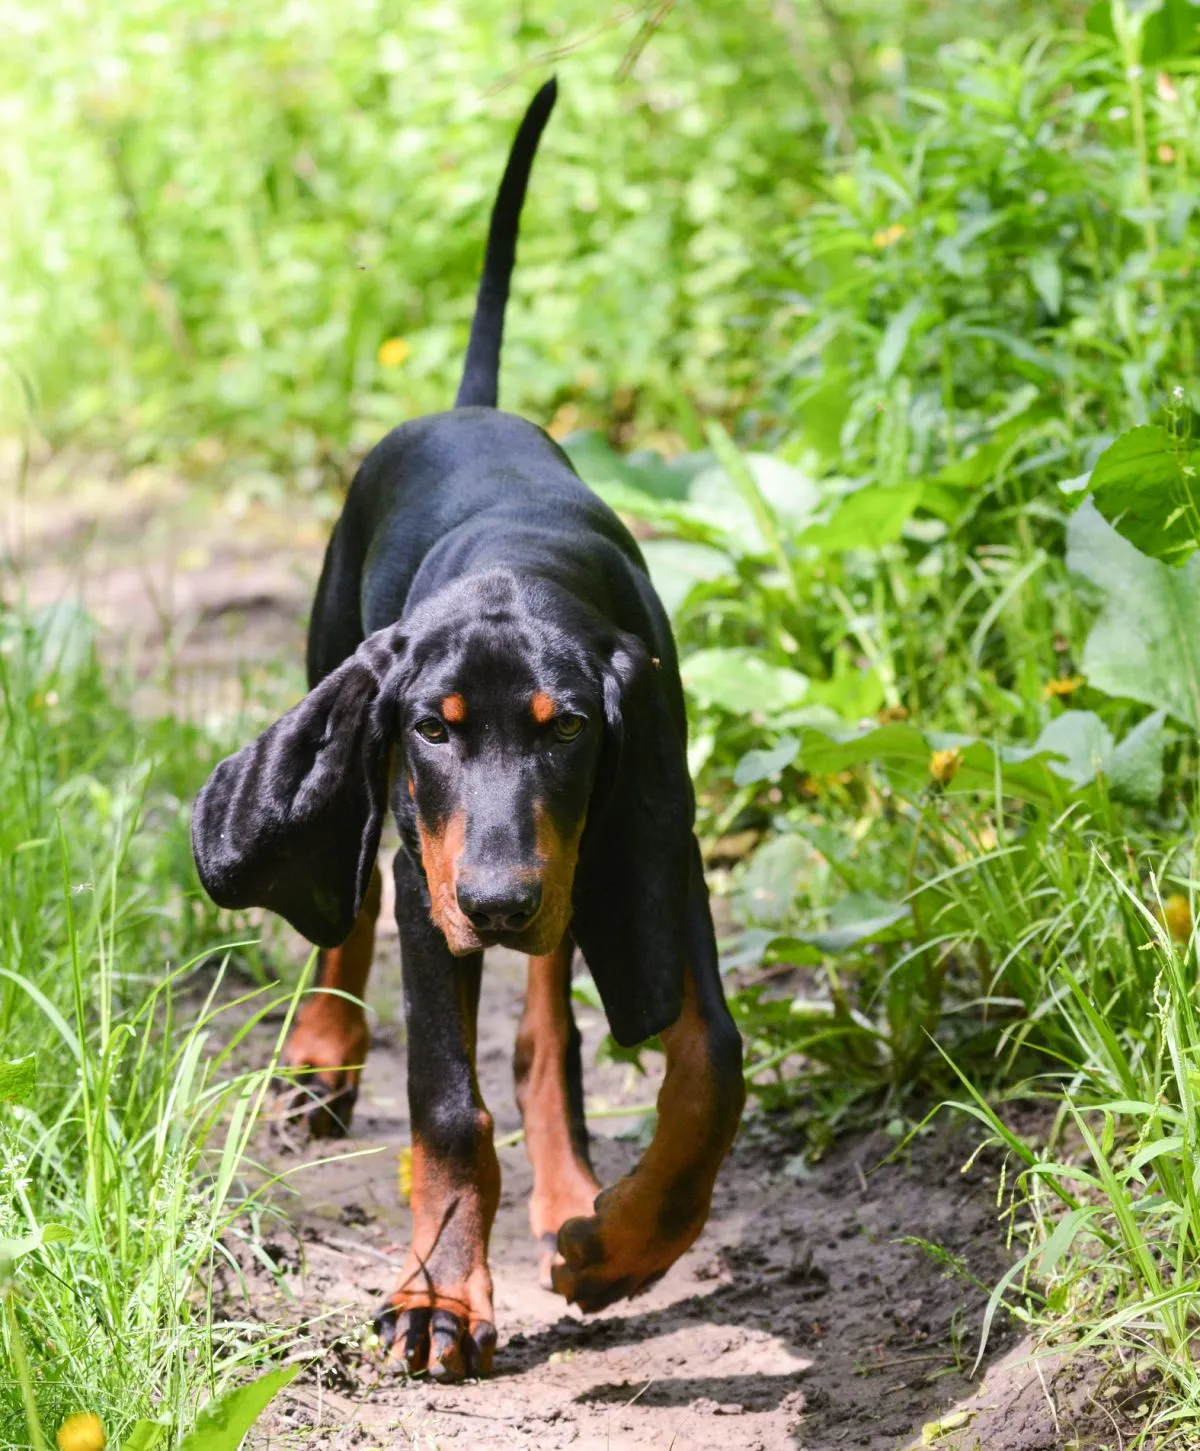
(81, 1432)
(1064, 685)
(1177, 917)
(889, 236)
(943, 765)
(393, 352)
(404, 1175)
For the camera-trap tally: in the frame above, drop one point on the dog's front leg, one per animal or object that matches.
(648, 1219)
(440, 1317)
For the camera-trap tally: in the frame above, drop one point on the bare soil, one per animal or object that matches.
(799, 1318)
(804, 1317)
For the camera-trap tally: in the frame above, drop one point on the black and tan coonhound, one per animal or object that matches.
(487, 652)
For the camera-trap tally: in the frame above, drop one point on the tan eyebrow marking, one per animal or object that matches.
(542, 707)
(454, 709)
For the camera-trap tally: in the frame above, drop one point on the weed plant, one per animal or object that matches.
(123, 1128)
(937, 625)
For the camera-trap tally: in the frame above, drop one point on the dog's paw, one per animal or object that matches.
(439, 1333)
(325, 1050)
(632, 1240)
(317, 1106)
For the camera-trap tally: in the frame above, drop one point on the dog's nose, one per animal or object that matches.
(493, 905)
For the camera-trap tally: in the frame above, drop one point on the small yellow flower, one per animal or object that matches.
(1177, 917)
(889, 236)
(1064, 685)
(81, 1432)
(392, 353)
(404, 1175)
(943, 765)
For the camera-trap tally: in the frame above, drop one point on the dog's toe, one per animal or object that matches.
(438, 1341)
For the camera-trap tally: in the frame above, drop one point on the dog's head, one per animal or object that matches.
(538, 776)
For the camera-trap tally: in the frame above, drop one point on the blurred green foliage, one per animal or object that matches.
(218, 213)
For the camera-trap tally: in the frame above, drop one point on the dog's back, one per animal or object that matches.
(471, 488)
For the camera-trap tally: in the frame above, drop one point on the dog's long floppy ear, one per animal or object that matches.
(631, 884)
(292, 821)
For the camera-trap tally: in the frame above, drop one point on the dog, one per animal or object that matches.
(487, 652)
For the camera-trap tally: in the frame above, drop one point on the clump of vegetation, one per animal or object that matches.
(116, 1190)
(938, 627)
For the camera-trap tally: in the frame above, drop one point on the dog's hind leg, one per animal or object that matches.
(548, 1072)
(328, 1044)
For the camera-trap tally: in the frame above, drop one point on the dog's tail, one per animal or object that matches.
(482, 369)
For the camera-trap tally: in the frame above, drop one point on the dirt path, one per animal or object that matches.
(800, 1319)
(797, 1320)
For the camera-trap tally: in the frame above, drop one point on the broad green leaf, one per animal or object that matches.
(895, 339)
(18, 1079)
(1167, 31)
(766, 887)
(66, 635)
(904, 752)
(677, 566)
(1146, 642)
(762, 765)
(1046, 276)
(866, 519)
(16, 1249)
(852, 693)
(1140, 487)
(741, 682)
(223, 1423)
(857, 919)
(1135, 768)
(750, 508)
(675, 516)
(597, 462)
(144, 1436)
(795, 950)
(1082, 740)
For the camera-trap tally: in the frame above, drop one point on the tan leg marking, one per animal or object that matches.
(446, 1268)
(563, 1183)
(650, 1217)
(330, 1032)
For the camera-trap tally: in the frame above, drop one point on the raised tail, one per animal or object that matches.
(482, 369)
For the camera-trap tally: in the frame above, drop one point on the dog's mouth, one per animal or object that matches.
(531, 940)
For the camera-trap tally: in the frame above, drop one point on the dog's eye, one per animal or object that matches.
(567, 727)
(432, 730)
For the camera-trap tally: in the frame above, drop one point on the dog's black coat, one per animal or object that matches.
(458, 524)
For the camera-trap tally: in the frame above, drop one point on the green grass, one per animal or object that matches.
(122, 1155)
